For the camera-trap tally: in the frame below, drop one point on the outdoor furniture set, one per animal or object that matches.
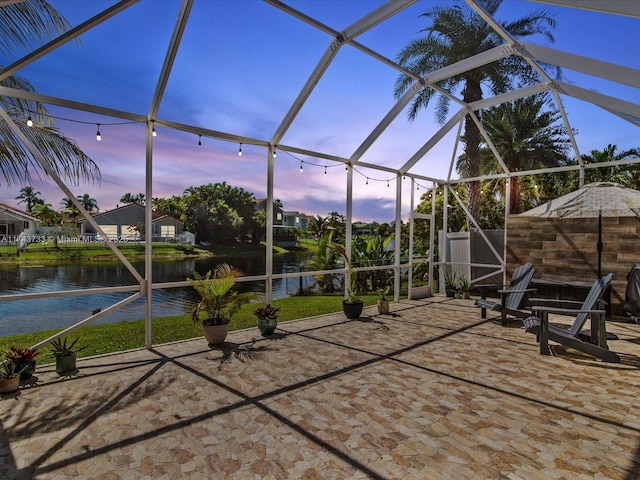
(535, 316)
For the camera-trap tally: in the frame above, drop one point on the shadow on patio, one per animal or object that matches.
(429, 391)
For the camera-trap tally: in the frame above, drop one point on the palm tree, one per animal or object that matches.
(129, 198)
(528, 136)
(623, 174)
(23, 27)
(88, 203)
(457, 33)
(46, 214)
(30, 197)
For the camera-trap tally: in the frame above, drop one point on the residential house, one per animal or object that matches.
(16, 225)
(127, 223)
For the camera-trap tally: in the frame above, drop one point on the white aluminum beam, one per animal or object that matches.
(627, 8)
(170, 57)
(612, 104)
(61, 102)
(433, 141)
(358, 27)
(597, 68)
(66, 37)
(469, 63)
(509, 96)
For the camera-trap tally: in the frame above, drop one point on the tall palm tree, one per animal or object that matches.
(30, 197)
(528, 135)
(623, 174)
(88, 203)
(457, 33)
(25, 26)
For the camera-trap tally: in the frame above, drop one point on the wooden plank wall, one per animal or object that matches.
(566, 249)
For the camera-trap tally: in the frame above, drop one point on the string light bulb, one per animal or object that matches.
(346, 167)
(274, 151)
(325, 172)
(387, 183)
(98, 136)
(199, 139)
(367, 183)
(301, 170)
(153, 129)
(240, 150)
(29, 121)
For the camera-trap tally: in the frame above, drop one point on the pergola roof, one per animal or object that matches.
(279, 102)
(313, 80)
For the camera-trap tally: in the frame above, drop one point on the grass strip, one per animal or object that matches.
(121, 336)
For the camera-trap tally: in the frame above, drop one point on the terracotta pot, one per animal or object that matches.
(267, 326)
(383, 307)
(215, 334)
(9, 385)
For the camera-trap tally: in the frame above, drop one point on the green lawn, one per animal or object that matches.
(115, 337)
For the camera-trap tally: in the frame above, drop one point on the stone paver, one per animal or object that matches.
(430, 391)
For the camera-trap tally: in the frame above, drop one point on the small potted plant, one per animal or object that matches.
(65, 355)
(9, 377)
(218, 300)
(267, 318)
(383, 301)
(352, 305)
(465, 287)
(25, 360)
(450, 281)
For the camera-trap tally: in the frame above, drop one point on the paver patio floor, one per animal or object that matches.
(430, 391)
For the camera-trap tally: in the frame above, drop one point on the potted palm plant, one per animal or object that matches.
(267, 318)
(9, 377)
(25, 360)
(352, 305)
(65, 354)
(218, 301)
(450, 281)
(383, 301)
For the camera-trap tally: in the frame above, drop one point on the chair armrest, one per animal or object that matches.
(554, 300)
(515, 290)
(563, 311)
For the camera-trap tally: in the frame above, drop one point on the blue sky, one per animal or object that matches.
(239, 68)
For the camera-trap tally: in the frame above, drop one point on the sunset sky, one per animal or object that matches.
(239, 68)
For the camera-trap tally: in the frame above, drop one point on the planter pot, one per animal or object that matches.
(26, 370)
(383, 307)
(215, 334)
(450, 292)
(466, 295)
(9, 385)
(420, 292)
(267, 326)
(352, 309)
(66, 364)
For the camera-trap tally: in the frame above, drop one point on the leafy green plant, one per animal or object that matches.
(218, 299)
(60, 347)
(266, 312)
(464, 285)
(21, 355)
(382, 293)
(352, 292)
(451, 278)
(8, 370)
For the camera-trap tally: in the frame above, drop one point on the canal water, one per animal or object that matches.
(60, 312)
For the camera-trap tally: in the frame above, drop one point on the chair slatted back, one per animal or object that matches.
(520, 280)
(590, 303)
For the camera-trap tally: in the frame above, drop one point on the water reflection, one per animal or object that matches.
(60, 312)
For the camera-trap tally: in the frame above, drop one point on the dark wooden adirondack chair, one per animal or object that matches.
(595, 344)
(510, 297)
